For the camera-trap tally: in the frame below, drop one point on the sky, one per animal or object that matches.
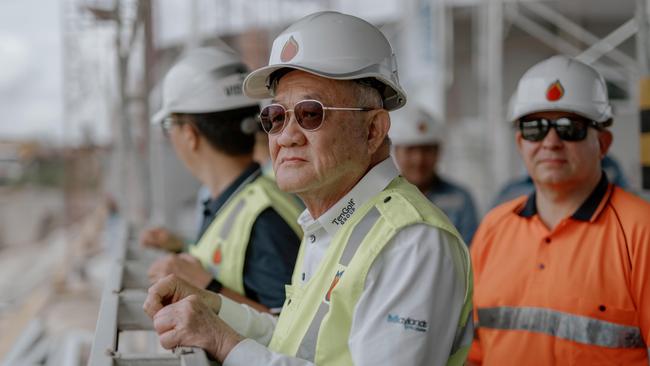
(30, 70)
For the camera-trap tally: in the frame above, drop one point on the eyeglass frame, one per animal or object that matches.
(552, 123)
(286, 112)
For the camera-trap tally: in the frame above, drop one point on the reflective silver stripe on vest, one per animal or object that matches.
(228, 224)
(464, 336)
(307, 349)
(571, 327)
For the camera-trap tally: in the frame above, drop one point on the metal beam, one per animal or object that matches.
(540, 32)
(552, 40)
(611, 41)
(579, 33)
(643, 36)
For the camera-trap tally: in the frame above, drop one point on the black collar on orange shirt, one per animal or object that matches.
(584, 212)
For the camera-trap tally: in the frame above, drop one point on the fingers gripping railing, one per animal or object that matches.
(121, 312)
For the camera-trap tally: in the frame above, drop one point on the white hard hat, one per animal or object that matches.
(205, 80)
(414, 126)
(336, 46)
(565, 84)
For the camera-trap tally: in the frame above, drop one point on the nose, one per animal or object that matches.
(552, 140)
(291, 134)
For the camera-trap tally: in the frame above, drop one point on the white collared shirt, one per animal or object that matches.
(413, 277)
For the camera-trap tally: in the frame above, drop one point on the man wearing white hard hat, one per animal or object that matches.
(417, 142)
(383, 277)
(249, 239)
(562, 275)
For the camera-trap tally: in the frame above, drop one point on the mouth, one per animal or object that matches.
(554, 161)
(292, 159)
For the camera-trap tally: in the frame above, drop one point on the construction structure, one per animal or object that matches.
(122, 323)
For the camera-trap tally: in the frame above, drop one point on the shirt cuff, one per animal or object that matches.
(230, 309)
(246, 321)
(246, 353)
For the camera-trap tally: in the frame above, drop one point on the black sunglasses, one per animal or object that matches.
(309, 114)
(567, 128)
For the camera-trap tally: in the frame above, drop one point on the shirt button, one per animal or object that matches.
(312, 238)
(547, 240)
(541, 266)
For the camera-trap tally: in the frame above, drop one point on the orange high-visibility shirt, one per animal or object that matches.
(575, 295)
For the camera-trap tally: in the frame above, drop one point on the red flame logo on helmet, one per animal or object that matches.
(555, 91)
(289, 50)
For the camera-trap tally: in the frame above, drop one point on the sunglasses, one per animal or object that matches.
(567, 128)
(166, 125)
(309, 114)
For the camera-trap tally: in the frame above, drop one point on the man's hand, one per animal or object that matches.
(161, 238)
(186, 316)
(183, 265)
(171, 289)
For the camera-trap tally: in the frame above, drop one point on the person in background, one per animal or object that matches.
(562, 275)
(249, 238)
(417, 144)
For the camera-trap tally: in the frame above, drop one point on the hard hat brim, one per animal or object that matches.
(159, 116)
(564, 107)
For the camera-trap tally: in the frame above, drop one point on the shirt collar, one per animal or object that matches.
(585, 212)
(213, 205)
(377, 178)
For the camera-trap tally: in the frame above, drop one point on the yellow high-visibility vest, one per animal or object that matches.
(316, 318)
(222, 247)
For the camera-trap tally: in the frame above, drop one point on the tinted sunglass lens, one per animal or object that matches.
(533, 130)
(309, 114)
(272, 118)
(571, 130)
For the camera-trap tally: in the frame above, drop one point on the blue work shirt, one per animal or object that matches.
(272, 248)
(457, 203)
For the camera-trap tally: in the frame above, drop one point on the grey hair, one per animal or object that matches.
(365, 89)
(367, 95)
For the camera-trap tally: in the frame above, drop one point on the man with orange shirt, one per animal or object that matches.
(563, 276)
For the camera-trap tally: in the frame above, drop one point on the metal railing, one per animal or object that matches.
(121, 314)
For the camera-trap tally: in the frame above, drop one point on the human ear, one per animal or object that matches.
(605, 139)
(377, 129)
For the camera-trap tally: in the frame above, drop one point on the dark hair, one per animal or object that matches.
(223, 129)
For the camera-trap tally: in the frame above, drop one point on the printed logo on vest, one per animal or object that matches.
(216, 257)
(345, 214)
(409, 323)
(335, 281)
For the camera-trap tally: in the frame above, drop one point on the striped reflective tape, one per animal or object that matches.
(576, 328)
(307, 348)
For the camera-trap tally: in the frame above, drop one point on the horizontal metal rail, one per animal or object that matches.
(121, 311)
